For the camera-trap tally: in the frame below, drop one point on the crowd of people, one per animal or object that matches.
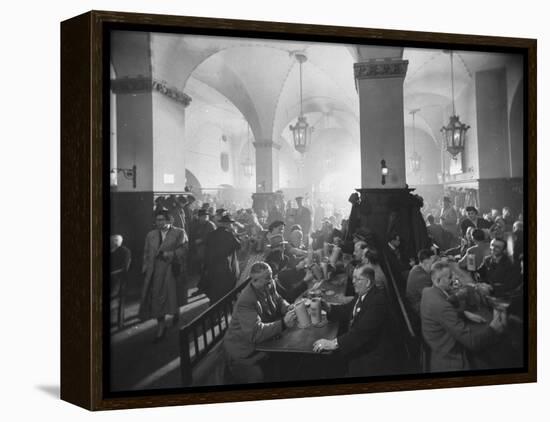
(473, 262)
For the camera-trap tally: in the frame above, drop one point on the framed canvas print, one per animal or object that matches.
(258, 210)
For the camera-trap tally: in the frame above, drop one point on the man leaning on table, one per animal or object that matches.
(447, 331)
(259, 315)
(365, 345)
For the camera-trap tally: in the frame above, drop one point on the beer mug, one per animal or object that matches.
(324, 268)
(315, 311)
(302, 314)
(335, 255)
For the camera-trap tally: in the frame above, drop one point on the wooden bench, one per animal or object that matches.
(201, 357)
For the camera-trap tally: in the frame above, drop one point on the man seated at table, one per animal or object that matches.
(359, 248)
(497, 269)
(419, 278)
(371, 258)
(259, 314)
(473, 220)
(446, 331)
(365, 345)
(291, 271)
(480, 250)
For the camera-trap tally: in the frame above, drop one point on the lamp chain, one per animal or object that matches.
(301, 111)
(453, 83)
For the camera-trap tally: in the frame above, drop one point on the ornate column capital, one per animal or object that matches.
(267, 144)
(143, 84)
(380, 68)
(172, 93)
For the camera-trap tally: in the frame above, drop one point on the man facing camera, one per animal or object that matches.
(259, 315)
(446, 331)
(365, 345)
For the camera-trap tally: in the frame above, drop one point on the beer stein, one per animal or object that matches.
(315, 311)
(302, 314)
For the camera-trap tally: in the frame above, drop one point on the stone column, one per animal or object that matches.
(150, 124)
(379, 84)
(385, 208)
(267, 174)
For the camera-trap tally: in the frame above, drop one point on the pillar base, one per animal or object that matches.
(263, 202)
(132, 217)
(383, 212)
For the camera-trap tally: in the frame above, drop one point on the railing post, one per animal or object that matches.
(185, 359)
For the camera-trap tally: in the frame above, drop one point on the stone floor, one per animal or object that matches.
(136, 361)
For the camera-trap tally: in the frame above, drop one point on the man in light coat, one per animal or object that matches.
(163, 256)
(259, 315)
(446, 331)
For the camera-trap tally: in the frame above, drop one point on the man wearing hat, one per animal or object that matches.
(303, 218)
(162, 265)
(220, 212)
(202, 227)
(290, 272)
(178, 213)
(221, 267)
(187, 209)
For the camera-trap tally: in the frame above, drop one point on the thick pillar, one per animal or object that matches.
(379, 84)
(267, 174)
(149, 134)
(385, 207)
(267, 166)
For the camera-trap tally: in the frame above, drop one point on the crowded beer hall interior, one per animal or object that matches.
(286, 211)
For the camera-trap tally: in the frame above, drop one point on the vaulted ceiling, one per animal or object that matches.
(257, 80)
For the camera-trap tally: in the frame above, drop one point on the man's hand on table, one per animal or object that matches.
(324, 344)
(290, 318)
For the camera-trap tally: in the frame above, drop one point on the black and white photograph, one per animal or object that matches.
(288, 211)
(271, 211)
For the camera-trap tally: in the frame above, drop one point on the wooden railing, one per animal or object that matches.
(199, 336)
(401, 320)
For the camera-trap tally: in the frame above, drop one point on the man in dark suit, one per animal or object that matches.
(221, 267)
(177, 213)
(365, 345)
(419, 278)
(497, 269)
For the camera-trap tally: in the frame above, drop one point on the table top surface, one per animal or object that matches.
(299, 340)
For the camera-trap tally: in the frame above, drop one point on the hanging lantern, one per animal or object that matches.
(455, 135)
(415, 162)
(455, 131)
(300, 131)
(300, 134)
(248, 167)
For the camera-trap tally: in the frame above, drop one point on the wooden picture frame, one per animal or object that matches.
(84, 76)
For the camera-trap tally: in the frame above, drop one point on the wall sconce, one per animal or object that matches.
(129, 174)
(384, 171)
